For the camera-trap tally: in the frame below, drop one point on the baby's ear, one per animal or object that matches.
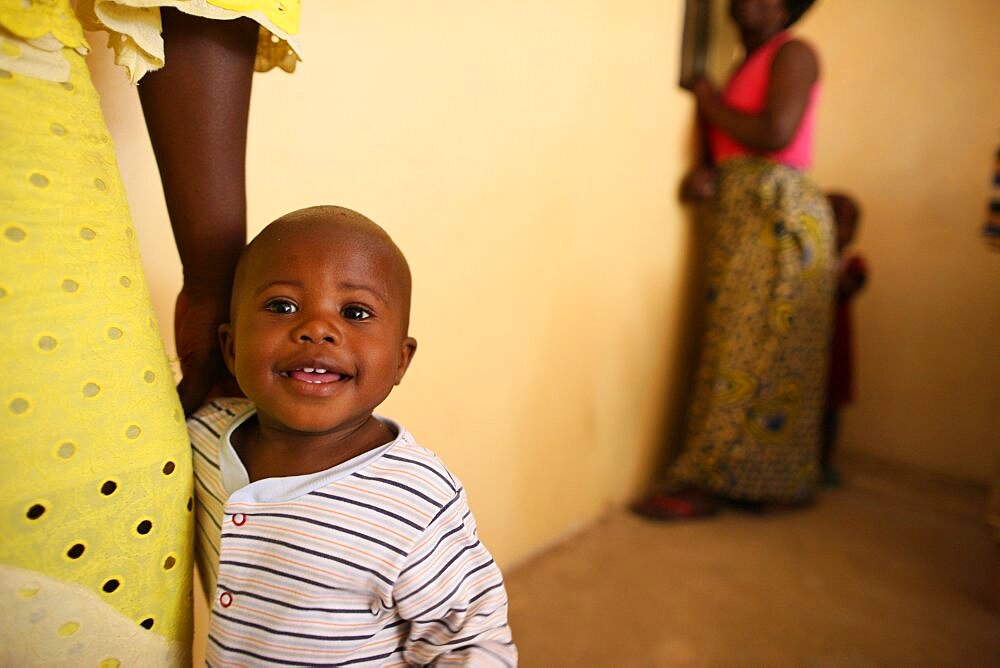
(406, 353)
(228, 344)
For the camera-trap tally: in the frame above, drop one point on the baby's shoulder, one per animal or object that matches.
(410, 467)
(221, 409)
(210, 421)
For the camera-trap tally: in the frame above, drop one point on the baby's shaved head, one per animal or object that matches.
(323, 227)
(845, 208)
(317, 336)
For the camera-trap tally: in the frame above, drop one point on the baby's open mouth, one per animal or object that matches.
(313, 375)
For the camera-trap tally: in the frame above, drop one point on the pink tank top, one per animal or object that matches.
(747, 91)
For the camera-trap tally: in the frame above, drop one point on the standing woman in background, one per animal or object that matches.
(95, 488)
(753, 429)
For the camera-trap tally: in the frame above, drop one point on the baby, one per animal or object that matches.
(326, 535)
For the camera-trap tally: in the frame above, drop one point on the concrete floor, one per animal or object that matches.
(889, 570)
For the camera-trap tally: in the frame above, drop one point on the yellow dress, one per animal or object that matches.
(96, 486)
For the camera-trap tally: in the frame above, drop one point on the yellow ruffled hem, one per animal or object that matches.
(133, 28)
(39, 19)
(33, 34)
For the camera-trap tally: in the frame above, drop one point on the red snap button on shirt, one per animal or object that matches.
(226, 599)
(239, 519)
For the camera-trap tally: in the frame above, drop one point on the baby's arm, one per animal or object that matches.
(852, 277)
(452, 593)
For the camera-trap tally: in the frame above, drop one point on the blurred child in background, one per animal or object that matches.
(852, 273)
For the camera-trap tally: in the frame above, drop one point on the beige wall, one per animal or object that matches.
(525, 156)
(910, 122)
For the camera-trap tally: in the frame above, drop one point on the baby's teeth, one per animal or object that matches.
(320, 370)
(307, 369)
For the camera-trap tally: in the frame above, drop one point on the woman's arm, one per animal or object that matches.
(699, 184)
(794, 70)
(196, 111)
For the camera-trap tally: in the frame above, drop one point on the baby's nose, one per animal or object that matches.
(317, 330)
(305, 338)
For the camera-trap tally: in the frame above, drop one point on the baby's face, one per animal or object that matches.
(845, 219)
(319, 332)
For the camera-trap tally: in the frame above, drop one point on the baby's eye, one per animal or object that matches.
(281, 306)
(356, 313)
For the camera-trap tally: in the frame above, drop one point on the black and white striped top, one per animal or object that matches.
(375, 562)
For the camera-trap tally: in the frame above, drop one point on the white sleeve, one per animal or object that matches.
(453, 595)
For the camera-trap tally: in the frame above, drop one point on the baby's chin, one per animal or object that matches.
(310, 423)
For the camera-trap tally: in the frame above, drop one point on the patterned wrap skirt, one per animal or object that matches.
(753, 430)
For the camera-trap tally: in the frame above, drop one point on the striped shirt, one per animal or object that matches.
(374, 562)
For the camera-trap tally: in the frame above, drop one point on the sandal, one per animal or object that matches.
(682, 505)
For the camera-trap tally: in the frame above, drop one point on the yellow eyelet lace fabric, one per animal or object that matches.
(95, 467)
(37, 18)
(96, 499)
(33, 35)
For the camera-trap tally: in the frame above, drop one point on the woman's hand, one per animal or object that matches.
(699, 185)
(704, 92)
(853, 278)
(197, 316)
